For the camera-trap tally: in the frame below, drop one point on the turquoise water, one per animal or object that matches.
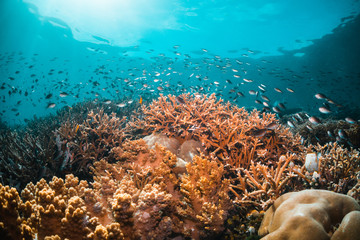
(54, 54)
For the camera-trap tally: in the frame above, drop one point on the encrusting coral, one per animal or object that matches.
(312, 214)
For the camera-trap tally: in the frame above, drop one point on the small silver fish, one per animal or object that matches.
(290, 124)
(252, 92)
(278, 90)
(350, 120)
(51, 105)
(342, 134)
(276, 109)
(330, 134)
(320, 96)
(121, 105)
(314, 120)
(63, 94)
(324, 110)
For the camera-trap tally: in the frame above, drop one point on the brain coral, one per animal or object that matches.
(312, 215)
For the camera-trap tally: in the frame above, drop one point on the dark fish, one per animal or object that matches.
(258, 132)
(272, 126)
(265, 98)
(282, 106)
(48, 96)
(180, 100)
(240, 94)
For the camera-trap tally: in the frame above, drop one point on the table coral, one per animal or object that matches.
(312, 214)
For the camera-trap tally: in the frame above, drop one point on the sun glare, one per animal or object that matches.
(123, 22)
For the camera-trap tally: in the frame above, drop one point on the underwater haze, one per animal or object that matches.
(56, 53)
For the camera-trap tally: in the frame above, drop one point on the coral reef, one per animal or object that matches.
(339, 168)
(25, 157)
(262, 184)
(137, 197)
(206, 203)
(82, 144)
(41, 148)
(183, 167)
(312, 214)
(231, 133)
(327, 131)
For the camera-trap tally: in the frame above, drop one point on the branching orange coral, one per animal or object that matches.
(339, 167)
(262, 184)
(92, 140)
(231, 133)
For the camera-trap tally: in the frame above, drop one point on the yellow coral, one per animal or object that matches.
(205, 197)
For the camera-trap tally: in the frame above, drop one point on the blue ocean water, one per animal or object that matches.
(54, 54)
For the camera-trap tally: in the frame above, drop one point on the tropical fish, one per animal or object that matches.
(324, 110)
(51, 105)
(314, 120)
